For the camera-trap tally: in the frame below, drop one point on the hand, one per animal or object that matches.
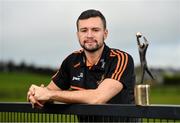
(30, 97)
(42, 94)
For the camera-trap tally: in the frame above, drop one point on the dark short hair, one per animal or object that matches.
(91, 13)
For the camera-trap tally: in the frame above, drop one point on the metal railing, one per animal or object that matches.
(23, 112)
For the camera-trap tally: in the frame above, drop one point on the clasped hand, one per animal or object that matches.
(38, 95)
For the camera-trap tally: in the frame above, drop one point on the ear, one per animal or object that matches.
(105, 33)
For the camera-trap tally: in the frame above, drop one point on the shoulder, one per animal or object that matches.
(121, 64)
(120, 55)
(74, 55)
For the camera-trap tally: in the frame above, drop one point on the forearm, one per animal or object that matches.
(84, 96)
(105, 91)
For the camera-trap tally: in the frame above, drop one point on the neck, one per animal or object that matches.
(92, 58)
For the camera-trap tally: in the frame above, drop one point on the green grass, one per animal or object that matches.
(168, 94)
(15, 85)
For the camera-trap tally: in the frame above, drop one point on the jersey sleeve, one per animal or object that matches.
(61, 76)
(122, 68)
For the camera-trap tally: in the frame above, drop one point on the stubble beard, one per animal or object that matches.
(92, 49)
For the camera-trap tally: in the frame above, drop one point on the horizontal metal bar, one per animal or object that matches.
(121, 110)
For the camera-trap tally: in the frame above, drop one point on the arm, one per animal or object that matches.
(106, 90)
(138, 35)
(31, 94)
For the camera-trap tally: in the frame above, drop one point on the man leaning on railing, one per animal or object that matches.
(96, 74)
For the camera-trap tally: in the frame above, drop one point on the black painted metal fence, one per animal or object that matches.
(23, 112)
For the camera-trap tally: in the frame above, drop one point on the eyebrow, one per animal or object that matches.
(90, 28)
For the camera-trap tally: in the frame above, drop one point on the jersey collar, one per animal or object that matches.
(101, 64)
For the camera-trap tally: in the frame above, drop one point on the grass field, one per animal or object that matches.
(14, 87)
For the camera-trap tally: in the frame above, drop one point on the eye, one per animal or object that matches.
(96, 29)
(83, 30)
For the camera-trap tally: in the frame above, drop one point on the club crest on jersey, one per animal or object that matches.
(102, 63)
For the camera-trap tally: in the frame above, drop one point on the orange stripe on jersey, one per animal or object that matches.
(55, 74)
(112, 55)
(76, 65)
(126, 60)
(124, 64)
(121, 64)
(117, 67)
(77, 88)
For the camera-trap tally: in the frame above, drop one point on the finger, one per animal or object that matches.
(33, 91)
(38, 104)
(28, 95)
(42, 85)
(32, 101)
(32, 88)
(35, 103)
(32, 105)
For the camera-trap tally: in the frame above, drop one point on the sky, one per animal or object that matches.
(43, 32)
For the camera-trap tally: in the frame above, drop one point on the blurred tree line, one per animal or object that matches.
(167, 76)
(10, 66)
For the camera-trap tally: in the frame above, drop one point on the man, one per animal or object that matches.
(96, 74)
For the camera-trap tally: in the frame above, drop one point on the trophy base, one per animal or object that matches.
(142, 94)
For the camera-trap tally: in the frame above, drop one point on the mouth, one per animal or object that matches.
(90, 41)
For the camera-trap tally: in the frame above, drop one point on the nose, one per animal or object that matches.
(89, 34)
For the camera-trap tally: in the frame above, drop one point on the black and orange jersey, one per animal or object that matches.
(115, 64)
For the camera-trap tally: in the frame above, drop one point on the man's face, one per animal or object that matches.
(91, 34)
